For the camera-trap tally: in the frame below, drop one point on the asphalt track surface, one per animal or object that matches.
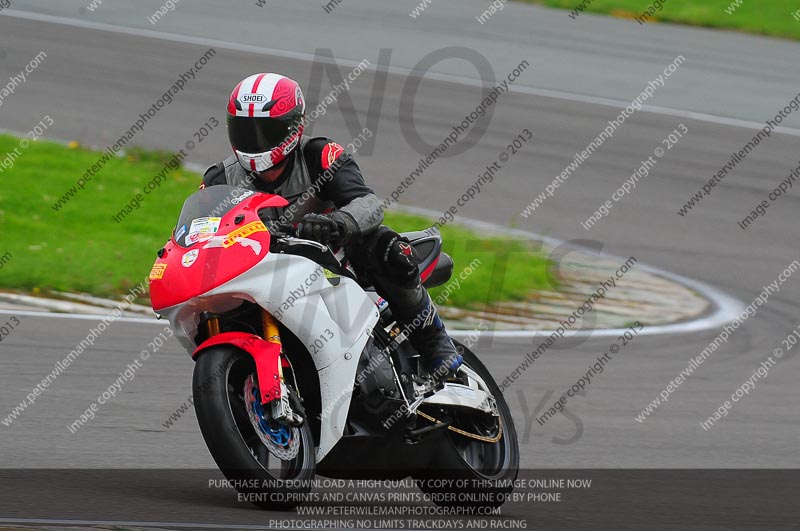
(94, 83)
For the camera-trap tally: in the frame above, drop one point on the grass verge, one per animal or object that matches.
(765, 17)
(81, 248)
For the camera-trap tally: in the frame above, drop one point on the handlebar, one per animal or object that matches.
(280, 230)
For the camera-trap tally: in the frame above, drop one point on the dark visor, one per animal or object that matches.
(257, 135)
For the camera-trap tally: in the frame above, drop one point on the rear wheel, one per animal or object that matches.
(480, 461)
(273, 464)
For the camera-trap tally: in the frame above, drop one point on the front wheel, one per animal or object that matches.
(480, 460)
(272, 464)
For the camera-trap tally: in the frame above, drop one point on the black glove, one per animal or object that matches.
(400, 258)
(320, 228)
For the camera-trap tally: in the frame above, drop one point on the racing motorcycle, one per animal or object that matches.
(301, 369)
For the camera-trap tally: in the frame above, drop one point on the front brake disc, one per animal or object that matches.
(282, 441)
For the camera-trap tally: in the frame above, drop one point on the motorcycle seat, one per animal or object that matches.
(435, 267)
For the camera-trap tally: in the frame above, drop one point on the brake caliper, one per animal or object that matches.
(281, 439)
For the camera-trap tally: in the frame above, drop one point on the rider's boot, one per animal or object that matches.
(429, 337)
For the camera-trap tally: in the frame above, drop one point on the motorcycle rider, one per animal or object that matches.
(329, 203)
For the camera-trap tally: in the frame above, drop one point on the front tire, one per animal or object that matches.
(488, 469)
(267, 480)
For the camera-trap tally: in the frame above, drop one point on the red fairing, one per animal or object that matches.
(265, 354)
(183, 273)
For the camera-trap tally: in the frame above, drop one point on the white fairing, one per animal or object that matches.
(332, 317)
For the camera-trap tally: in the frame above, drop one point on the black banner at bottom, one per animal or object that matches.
(537, 499)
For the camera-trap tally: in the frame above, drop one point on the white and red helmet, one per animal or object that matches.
(265, 120)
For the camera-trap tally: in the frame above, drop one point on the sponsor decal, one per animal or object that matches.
(221, 241)
(330, 153)
(252, 244)
(157, 273)
(290, 146)
(255, 99)
(239, 199)
(239, 236)
(202, 229)
(332, 277)
(244, 232)
(180, 233)
(190, 258)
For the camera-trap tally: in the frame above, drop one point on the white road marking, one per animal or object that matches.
(519, 89)
(80, 316)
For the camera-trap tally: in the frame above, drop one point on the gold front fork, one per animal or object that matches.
(272, 334)
(212, 325)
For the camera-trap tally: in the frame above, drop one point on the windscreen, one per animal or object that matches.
(202, 213)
